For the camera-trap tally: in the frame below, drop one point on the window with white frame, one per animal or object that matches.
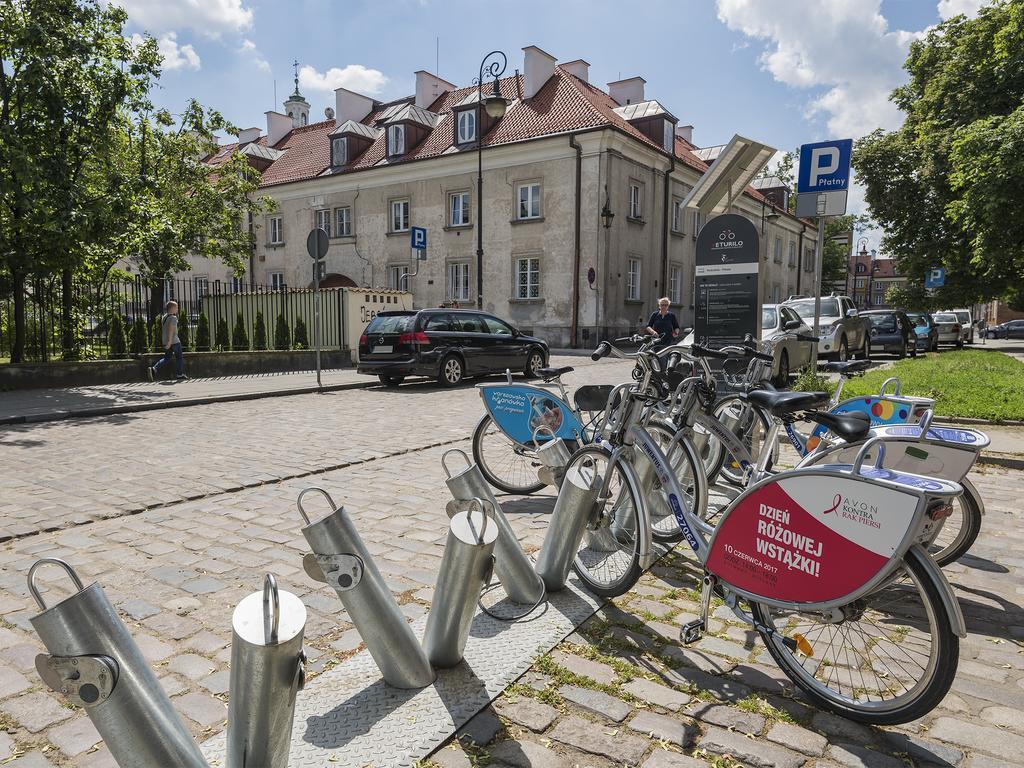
(276, 280)
(809, 260)
(675, 285)
(343, 222)
(466, 126)
(339, 151)
(792, 253)
(458, 282)
(528, 278)
(275, 230)
(395, 275)
(635, 208)
(697, 221)
(458, 209)
(399, 215)
(529, 201)
(202, 286)
(396, 140)
(237, 284)
(633, 280)
(322, 220)
(677, 215)
(778, 250)
(168, 289)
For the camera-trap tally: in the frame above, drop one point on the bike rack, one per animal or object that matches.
(95, 663)
(465, 570)
(553, 455)
(267, 671)
(340, 559)
(573, 507)
(512, 566)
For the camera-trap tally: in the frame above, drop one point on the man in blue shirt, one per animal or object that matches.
(664, 324)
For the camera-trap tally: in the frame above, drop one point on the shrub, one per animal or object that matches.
(203, 333)
(259, 332)
(183, 334)
(812, 381)
(223, 340)
(282, 334)
(156, 334)
(115, 336)
(239, 336)
(139, 341)
(300, 340)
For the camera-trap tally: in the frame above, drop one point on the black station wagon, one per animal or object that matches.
(446, 344)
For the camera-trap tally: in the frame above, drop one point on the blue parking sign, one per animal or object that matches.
(825, 166)
(936, 278)
(418, 237)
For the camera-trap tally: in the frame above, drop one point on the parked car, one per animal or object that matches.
(950, 330)
(893, 332)
(1013, 329)
(926, 330)
(966, 324)
(446, 344)
(842, 331)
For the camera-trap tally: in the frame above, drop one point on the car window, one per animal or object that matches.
(945, 317)
(496, 326)
(769, 318)
(789, 314)
(468, 323)
(965, 317)
(883, 322)
(438, 323)
(805, 307)
(389, 324)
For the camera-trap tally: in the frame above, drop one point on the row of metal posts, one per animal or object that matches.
(95, 663)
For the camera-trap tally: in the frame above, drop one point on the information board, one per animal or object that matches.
(726, 285)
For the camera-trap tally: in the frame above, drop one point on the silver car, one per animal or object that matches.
(950, 328)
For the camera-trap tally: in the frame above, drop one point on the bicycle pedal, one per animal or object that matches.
(692, 631)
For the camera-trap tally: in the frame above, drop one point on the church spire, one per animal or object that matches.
(296, 107)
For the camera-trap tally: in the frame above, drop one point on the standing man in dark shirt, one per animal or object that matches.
(664, 324)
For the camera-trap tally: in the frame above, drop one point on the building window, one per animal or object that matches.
(696, 224)
(458, 282)
(675, 285)
(276, 280)
(669, 136)
(458, 209)
(339, 151)
(343, 220)
(529, 201)
(776, 293)
(399, 215)
(528, 278)
(396, 140)
(859, 282)
(276, 230)
(202, 286)
(635, 209)
(322, 220)
(778, 250)
(677, 215)
(809, 260)
(395, 278)
(168, 289)
(466, 126)
(861, 269)
(237, 284)
(633, 280)
(792, 253)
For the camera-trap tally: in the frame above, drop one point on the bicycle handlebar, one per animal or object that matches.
(807, 337)
(603, 350)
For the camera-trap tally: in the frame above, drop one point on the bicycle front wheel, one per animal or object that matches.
(608, 557)
(689, 473)
(751, 426)
(959, 530)
(887, 658)
(504, 463)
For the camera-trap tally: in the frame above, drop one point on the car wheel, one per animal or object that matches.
(391, 381)
(902, 353)
(451, 371)
(935, 345)
(782, 379)
(913, 349)
(865, 352)
(534, 361)
(843, 350)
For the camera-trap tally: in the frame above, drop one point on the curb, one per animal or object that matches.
(1001, 460)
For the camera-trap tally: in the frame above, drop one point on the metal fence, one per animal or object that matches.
(102, 312)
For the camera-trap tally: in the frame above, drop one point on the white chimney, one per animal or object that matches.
(350, 105)
(538, 67)
(429, 87)
(685, 132)
(579, 69)
(278, 126)
(628, 91)
(247, 135)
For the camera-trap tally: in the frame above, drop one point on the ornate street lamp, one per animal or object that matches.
(495, 105)
(606, 212)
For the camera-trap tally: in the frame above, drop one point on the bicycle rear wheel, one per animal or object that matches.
(751, 426)
(959, 530)
(608, 557)
(887, 658)
(689, 473)
(504, 463)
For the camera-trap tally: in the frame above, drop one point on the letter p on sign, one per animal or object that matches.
(825, 166)
(824, 162)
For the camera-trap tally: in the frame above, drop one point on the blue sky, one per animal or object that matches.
(781, 71)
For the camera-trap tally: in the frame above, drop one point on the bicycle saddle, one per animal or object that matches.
(781, 403)
(553, 373)
(852, 427)
(848, 367)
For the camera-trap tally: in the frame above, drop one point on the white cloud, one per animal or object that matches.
(249, 48)
(950, 8)
(175, 56)
(355, 77)
(207, 17)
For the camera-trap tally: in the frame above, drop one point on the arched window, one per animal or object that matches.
(861, 269)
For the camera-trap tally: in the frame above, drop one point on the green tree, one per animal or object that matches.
(259, 333)
(945, 187)
(223, 340)
(156, 334)
(300, 340)
(140, 340)
(835, 260)
(282, 334)
(203, 333)
(116, 338)
(239, 335)
(183, 331)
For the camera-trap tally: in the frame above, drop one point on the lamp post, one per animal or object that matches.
(495, 106)
(871, 278)
(773, 216)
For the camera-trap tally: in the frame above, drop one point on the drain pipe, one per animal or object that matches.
(355, 242)
(800, 256)
(663, 290)
(574, 331)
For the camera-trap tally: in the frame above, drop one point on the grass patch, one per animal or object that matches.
(969, 383)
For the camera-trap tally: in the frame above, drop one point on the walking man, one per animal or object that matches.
(664, 324)
(172, 344)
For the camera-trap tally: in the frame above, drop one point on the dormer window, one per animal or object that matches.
(466, 126)
(396, 140)
(339, 151)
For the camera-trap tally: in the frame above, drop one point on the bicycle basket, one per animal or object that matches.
(592, 397)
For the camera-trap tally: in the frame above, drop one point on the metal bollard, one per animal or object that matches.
(573, 508)
(465, 571)
(267, 671)
(513, 567)
(96, 665)
(553, 455)
(341, 559)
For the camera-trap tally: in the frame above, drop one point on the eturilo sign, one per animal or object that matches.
(726, 283)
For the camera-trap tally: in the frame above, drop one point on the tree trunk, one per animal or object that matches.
(68, 342)
(18, 287)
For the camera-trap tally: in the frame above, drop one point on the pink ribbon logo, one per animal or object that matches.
(835, 504)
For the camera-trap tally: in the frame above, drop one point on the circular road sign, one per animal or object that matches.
(316, 243)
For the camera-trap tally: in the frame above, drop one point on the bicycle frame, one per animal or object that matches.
(519, 410)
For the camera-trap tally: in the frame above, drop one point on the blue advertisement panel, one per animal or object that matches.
(889, 410)
(521, 409)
